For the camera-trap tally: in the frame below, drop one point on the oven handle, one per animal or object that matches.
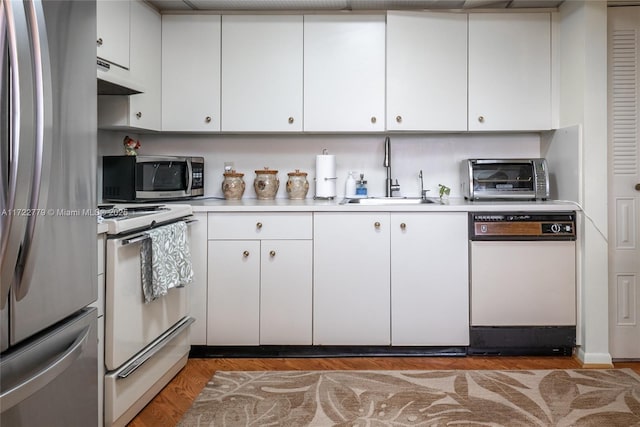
(137, 239)
(163, 340)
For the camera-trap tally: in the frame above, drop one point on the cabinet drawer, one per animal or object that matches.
(260, 226)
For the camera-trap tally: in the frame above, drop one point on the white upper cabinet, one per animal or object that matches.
(509, 71)
(146, 53)
(113, 31)
(191, 73)
(426, 71)
(344, 73)
(262, 73)
(141, 111)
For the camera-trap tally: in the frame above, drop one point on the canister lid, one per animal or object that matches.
(233, 174)
(267, 171)
(297, 173)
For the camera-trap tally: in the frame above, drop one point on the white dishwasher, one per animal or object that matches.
(523, 283)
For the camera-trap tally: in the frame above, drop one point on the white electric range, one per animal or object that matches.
(146, 343)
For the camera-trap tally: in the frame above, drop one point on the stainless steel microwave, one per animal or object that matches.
(151, 178)
(505, 179)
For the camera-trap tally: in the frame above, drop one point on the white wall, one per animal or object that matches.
(582, 57)
(438, 155)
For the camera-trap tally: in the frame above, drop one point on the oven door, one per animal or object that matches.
(130, 323)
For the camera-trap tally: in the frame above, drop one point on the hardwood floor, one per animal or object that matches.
(166, 409)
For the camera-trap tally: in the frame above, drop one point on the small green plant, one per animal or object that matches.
(443, 190)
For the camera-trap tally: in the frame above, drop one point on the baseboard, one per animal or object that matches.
(594, 360)
(270, 351)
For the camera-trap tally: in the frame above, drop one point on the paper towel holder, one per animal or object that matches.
(325, 179)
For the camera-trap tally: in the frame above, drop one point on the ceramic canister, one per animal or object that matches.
(297, 185)
(233, 185)
(266, 184)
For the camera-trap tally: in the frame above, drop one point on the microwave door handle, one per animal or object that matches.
(189, 176)
(42, 88)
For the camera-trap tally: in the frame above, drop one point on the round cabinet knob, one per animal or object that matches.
(481, 119)
(399, 119)
(403, 226)
(245, 254)
(207, 119)
(638, 187)
(139, 114)
(376, 224)
(99, 41)
(374, 120)
(259, 225)
(272, 253)
(290, 120)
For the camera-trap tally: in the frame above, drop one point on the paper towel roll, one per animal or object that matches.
(326, 176)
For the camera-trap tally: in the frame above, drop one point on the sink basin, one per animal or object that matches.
(379, 201)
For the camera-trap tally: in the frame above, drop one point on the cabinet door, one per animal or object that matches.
(146, 51)
(286, 292)
(351, 297)
(234, 292)
(198, 289)
(426, 71)
(141, 111)
(429, 279)
(191, 73)
(261, 73)
(344, 73)
(509, 71)
(112, 22)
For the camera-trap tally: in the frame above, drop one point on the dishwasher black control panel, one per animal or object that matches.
(522, 225)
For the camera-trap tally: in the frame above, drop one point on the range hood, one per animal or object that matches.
(115, 80)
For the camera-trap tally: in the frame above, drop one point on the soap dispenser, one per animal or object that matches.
(361, 186)
(350, 187)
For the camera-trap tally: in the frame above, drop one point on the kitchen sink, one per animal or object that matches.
(380, 201)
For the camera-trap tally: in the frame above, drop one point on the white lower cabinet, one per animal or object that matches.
(429, 279)
(198, 288)
(351, 301)
(285, 292)
(391, 278)
(234, 292)
(259, 279)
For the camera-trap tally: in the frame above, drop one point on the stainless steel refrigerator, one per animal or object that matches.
(48, 136)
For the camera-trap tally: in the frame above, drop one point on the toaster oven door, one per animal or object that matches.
(503, 180)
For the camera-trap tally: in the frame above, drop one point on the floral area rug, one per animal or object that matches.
(581, 397)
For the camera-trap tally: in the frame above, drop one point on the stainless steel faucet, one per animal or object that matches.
(390, 187)
(423, 192)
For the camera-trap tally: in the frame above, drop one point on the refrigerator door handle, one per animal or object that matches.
(45, 375)
(9, 244)
(42, 86)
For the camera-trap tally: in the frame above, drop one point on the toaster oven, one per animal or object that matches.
(505, 179)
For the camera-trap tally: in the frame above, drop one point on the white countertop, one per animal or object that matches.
(311, 205)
